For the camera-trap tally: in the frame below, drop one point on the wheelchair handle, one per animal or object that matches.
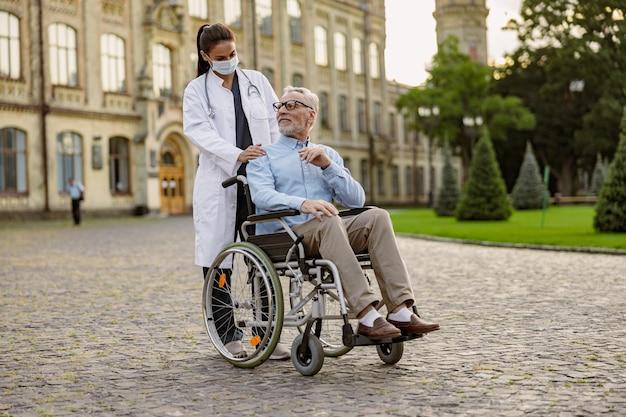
(233, 180)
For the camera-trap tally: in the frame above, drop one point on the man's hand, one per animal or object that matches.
(315, 156)
(251, 152)
(315, 207)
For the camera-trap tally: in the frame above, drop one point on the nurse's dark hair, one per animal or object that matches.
(208, 37)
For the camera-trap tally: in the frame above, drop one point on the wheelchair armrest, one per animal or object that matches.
(354, 211)
(272, 215)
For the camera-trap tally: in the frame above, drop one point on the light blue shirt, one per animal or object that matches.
(75, 190)
(280, 180)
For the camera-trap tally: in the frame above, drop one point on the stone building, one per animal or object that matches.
(93, 90)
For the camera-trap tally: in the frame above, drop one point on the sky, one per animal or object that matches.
(412, 40)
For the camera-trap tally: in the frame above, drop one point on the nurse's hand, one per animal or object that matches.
(252, 152)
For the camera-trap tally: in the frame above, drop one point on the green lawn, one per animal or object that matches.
(562, 226)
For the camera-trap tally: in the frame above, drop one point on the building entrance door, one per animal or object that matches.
(172, 178)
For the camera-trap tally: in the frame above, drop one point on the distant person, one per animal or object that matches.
(76, 191)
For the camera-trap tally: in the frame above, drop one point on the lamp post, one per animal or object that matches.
(367, 32)
(428, 117)
(414, 173)
(472, 124)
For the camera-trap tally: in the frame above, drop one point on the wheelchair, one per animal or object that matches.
(242, 298)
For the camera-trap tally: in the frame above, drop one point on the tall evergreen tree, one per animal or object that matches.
(449, 194)
(484, 195)
(528, 191)
(611, 207)
(597, 178)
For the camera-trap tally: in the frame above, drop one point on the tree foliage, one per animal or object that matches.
(449, 193)
(570, 70)
(460, 87)
(484, 195)
(529, 189)
(611, 207)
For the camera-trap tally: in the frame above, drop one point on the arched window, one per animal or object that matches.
(162, 70)
(298, 80)
(63, 61)
(321, 46)
(374, 63)
(168, 159)
(198, 8)
(340, 51)
(357, 56)
(378, 123)
(269, 74)
(360, 108)
(119, 165)
(343, 113)
(323, 115)
(10, 64)
(232, 13)
(295, 20)
(264, 16)
(113, 63)
(13, 177)
(69, 158)
(380, 175)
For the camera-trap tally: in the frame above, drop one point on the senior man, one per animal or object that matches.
(298, 174)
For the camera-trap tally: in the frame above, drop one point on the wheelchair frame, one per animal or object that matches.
(246, 300)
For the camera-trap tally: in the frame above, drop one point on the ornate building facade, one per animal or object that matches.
(93, 90)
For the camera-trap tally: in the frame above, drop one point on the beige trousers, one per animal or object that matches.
(339, 238)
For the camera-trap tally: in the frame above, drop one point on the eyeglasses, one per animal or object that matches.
(289, 105)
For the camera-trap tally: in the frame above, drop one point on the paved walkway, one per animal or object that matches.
(105, 319)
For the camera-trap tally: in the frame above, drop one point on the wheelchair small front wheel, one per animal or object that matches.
(390, 353)
(307, 361)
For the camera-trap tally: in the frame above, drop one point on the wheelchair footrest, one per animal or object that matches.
(354, 339)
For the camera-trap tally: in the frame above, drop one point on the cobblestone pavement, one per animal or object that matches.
(105, 319)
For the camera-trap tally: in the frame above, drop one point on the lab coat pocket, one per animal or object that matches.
(258, 111)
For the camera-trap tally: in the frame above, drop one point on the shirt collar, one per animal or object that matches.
(292, 143)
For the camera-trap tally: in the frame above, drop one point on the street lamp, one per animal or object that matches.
(472, 124)
(428, 117)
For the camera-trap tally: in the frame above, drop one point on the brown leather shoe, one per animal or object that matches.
(416, 325)
(381, 330)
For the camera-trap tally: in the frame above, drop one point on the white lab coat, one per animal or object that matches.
(214, 208)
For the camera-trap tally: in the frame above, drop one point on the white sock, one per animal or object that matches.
(403, 314)
(369, 318)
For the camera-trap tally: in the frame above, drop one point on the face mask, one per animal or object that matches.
(226, 67)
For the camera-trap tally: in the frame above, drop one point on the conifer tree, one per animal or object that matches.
(528, 190)
(484, 195)
(597, 178)
(611, 207)
(449, 194)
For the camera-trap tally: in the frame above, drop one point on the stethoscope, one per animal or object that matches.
(252, 89)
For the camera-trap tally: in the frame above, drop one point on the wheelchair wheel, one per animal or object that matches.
(390, 353)
(330, 333)
(310, 361)
(242, 300)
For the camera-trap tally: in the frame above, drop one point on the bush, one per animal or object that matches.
(449, 194)
(528, 191)
(484, 195)
(611, 207)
